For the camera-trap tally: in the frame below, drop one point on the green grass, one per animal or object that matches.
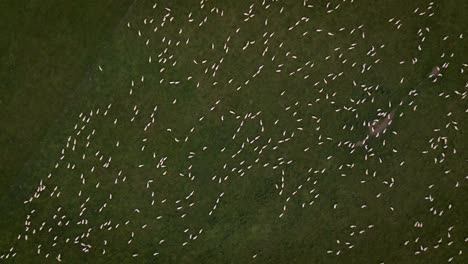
(49, 71)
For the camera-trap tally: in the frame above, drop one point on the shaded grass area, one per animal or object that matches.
(46, 53)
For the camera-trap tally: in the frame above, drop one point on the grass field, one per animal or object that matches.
(227, 131)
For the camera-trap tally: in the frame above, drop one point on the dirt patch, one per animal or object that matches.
(379, 126)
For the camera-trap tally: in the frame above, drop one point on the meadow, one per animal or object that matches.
(228, 132)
